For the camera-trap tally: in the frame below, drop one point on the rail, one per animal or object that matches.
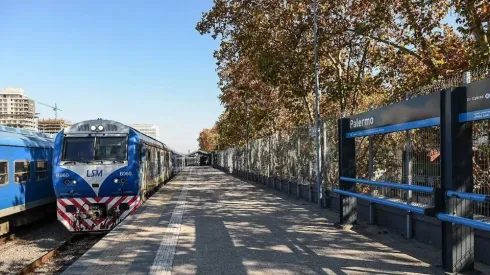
(464, 221)
(468, 196)
(423, 189)
(461, 220)
(423, 211)
(399, 205)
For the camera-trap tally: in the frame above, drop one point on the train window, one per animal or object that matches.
(22, 171)
(4, 172)
(111, 148)
(78, 149)
(41, 170)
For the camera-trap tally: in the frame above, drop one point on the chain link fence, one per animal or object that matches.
(287, 156)
(407, 157)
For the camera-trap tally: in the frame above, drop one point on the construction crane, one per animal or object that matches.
(55, 108)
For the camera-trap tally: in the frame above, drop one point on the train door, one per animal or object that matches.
(164, 166)
(159, 167)
(168, 165)
(149, 167)
(143, 168)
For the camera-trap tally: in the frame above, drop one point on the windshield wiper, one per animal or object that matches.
(75, 162)
(102, 161)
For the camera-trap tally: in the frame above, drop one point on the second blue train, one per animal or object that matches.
(26, 189)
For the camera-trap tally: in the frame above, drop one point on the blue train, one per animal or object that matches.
(103, 170)
(26, 189)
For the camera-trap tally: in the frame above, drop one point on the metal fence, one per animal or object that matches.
(409, 157)
(287, 156)
(481, 165)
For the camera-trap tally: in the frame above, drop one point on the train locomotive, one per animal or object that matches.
(104, 170)
(26, 189)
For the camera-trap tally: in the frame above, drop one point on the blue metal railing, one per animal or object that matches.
(403, 206)
(423, 189)
(423, 211)
(468, 196)
(464, 221)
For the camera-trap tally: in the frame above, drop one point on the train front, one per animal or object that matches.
(95, 175)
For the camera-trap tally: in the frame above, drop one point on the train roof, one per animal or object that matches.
(24, 138)
(198, 152)
(176, 153)
(109, 126)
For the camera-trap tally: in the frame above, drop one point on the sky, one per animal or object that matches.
(129, 61)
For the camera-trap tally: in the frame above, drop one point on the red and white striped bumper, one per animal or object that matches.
(77, 221)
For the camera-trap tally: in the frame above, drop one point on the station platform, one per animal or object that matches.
(207, 222)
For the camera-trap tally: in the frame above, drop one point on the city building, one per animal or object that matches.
(147, 129)
(52, 126)
(17, 110)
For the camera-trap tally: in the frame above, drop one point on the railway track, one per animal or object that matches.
(28, 243)
(59, 258)
(50, 247)
(42, 260)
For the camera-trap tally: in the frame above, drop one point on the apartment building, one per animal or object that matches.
(52, 126)
(148, 129)
(17, 110)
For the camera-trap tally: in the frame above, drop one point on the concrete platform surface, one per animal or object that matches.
(207, 222)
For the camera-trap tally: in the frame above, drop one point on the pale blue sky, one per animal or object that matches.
(130, 61)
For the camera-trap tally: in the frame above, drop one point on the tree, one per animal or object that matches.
(474, 20)
(370, 52)
(208, 140)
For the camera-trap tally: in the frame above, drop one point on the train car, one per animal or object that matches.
(26, 189)
(103, 170)
(178, 162)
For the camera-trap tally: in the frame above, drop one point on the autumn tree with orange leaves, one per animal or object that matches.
(370, 52)
(208, 140)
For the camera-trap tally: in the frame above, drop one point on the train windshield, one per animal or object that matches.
(86, 149)
(79, 149)
(110, 148)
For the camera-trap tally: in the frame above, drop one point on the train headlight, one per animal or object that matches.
(100, 128)
(93, 128)
(67, 181)
(75, 181)
(115, 180)
(123, 180)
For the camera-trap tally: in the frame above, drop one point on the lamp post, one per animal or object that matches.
(317, 107)
(248, 141)
(246, 135)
